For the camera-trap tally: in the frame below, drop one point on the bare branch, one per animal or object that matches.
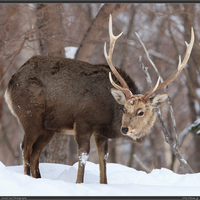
(165, 90)
(183, 134)
(174, 147)
(141, 163)
(20, 48)
(145, 69)
(170, 31)
(148, 57)
(95, 30)
(191, 86)
(163, 57)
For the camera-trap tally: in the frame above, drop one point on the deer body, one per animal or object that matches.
(51, 94)
(65, 91)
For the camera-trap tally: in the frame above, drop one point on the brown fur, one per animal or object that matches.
(53, 94)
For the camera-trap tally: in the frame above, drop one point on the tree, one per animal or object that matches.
(46, 29)
(192, 76)
(15, 49)
(49, 23)
(95, 30)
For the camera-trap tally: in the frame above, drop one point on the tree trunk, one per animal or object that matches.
(14, 51)
(95, 30)
(49, 24)
(194, 66)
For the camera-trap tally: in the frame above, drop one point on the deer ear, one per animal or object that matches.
(158, 100)
(119, 96)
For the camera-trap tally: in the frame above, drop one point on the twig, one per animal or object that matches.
(170, 31)
(21, 46)
(148, 57)
(165, 90)
(141, 164)
(183, 134)
(191, 86)
(6, 140)
(174, 147)
(163, 57)
(145, 69)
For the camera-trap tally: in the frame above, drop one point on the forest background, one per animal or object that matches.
(79, 31)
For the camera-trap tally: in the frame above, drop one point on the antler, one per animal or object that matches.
(157, 87)
(108, 57)
(179, 69)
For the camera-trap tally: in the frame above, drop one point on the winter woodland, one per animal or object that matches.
(79, 31)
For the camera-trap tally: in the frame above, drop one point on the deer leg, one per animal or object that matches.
(102, 149)
(83, 156)
(38, 146)
(26, 151)
(82, 136)
(32, 125)
(26, 154)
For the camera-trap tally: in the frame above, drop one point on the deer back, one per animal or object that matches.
(66, 91)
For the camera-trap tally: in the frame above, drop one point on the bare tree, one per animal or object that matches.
(32, 29)
(95, 30)
(14, 50)
(192, 76)
(50, 34)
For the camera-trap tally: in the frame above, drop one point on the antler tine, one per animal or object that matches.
(152, 91)
(108, 57)
(125, 90)
(179, 69)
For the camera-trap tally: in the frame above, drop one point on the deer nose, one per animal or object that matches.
(124, 130)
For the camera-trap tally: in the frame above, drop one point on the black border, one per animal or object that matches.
(99, 197)
(99, 1)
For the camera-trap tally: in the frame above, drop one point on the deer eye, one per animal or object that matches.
(140, 113)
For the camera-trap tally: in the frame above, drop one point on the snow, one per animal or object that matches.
(59, 180)
(195, 126)
(70, 52)
(106, 156)
(196, 103)
(83, 158)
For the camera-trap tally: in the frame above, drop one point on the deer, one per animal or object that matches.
(51, 95)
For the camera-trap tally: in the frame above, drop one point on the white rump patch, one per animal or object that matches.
(9, 102)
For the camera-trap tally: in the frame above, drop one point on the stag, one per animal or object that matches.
(51, 95)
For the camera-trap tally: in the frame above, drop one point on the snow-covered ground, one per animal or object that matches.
(59, 180)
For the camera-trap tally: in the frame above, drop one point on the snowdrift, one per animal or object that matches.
(59, 180)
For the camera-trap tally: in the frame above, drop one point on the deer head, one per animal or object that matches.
(139, 115)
